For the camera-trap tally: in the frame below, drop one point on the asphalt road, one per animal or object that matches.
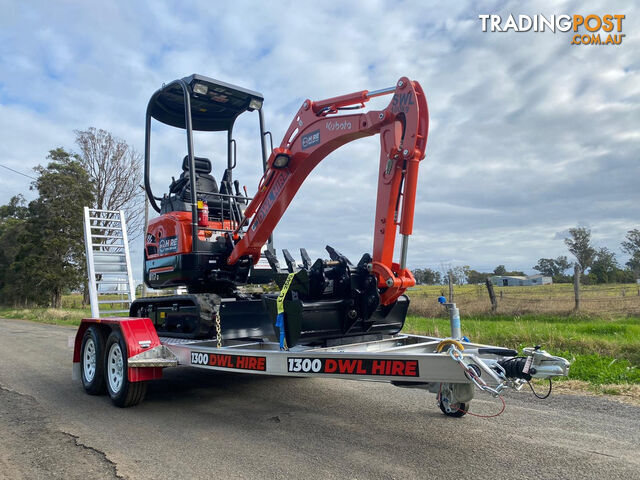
(196, 424)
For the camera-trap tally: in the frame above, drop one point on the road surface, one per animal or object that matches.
(196, 424)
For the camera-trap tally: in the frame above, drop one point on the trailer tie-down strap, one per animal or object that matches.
(280, 304)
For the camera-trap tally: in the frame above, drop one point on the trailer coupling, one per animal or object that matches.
(512, 371)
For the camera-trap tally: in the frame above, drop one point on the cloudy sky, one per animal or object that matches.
(529, 135)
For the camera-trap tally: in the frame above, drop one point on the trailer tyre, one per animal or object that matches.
(123, 393)
(92, 361)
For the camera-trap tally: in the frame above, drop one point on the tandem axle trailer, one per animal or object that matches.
(119, 355)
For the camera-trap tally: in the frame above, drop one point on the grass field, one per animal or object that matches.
(598, 300)
(602, 340)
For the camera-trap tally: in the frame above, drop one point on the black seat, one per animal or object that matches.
(205, 183)
(220, 207)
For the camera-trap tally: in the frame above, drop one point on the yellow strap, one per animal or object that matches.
(283, 292)
(449, 341)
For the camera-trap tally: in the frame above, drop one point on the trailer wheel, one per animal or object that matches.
(92, 355)
(123, 393)
(456, 410)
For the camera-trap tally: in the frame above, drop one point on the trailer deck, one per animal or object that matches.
(448, 367)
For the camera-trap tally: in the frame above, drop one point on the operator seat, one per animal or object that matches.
(179, 198)
(205, 183)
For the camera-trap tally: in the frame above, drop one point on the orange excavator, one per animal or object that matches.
(212, 238)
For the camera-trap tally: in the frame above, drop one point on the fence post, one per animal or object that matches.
(492, 294)
(450, 288)
(576, 285)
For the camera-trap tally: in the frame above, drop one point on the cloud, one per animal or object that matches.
(529, 135)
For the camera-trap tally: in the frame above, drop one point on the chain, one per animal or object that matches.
(456, 355)
(218, 329)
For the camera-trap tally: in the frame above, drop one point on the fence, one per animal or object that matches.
(604, 300)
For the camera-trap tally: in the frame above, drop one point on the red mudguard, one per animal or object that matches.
(136, 332)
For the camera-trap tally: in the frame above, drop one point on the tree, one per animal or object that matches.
(458, 274)
(632, 246)
(474, 276)
(12, 225)
(552, 267)
(115, 169)
(500, 270)
(426, 276)
(579, 244)
(605, 266)
(632, 243)
(50, 259)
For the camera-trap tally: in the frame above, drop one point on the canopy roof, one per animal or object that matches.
(214, 104)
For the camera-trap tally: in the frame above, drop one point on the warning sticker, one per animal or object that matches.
(354, 366)
(241, 362)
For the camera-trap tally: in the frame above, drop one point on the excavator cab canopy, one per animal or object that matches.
(214, 104)
(199, 103)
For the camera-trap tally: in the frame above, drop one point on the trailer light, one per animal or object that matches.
(255, 104)
(281, 161)
(200, 89)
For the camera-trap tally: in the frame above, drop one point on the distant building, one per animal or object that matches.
(517, 281)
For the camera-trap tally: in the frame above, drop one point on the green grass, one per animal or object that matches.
(601, 370)
(602, 351)
(54, 316)
(71, 312)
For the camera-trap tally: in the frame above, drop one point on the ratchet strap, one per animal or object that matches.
(449, 341)
(280, 305)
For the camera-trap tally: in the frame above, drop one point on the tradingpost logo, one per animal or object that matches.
(586, 29)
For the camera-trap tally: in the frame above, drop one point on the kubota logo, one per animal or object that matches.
(337, 125)
(588, 30)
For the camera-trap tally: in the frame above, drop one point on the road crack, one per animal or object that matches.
(32, 445)
(78, 443)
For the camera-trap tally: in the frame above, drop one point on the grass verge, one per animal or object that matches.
(54, 316)
(602, 352)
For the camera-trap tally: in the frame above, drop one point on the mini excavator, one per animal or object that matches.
(210, 237)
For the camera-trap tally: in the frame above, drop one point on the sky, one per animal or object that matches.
(529, 135)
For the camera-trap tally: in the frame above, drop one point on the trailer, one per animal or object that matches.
(119, 355)
(332, 318)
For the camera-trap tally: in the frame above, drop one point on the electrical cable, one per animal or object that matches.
(536, 394)
(504, 406)
(19, 173)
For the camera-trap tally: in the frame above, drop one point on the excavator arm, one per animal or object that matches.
(314, 133)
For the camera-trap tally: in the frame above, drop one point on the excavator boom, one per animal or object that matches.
(314, 133)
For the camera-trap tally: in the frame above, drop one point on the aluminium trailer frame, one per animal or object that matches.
(431, 363)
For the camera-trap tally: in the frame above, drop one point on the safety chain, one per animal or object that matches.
(456, 355)
(218, 329)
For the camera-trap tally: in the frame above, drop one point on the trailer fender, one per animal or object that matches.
(139, 334)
